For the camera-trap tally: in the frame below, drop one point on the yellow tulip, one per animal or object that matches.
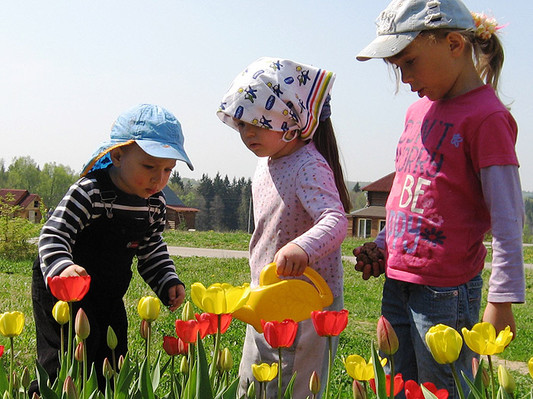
(11, 324)
(506, 380)
(445, 343)
(148, 308)
(225, 360)
(482, 338)
(219, 298)
(530, 366)
(359, 369)
(187, 313)
(264, 372)
(61, 312)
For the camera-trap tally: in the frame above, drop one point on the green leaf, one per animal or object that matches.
(379, 374)
(124, 379)
(4, 383)
(156, 372)
(231, 391)
(190, 387)
(42, 379)
(145, 382)
(290, 387)
(203, 384)
(91, 385)
(476, 387)
(427, 393)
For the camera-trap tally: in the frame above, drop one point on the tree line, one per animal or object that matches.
(224, 204)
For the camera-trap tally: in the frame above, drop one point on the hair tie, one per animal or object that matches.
(485, 26)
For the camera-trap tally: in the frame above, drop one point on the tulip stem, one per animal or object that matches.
(391, 393)
(62, 356)
(148, 343)
(492, 382)
(217, 346)
(11, 367)
(70, 328)
(280, 372)
(171, 375)
(84, 379)
(457, 381)
(330, 363)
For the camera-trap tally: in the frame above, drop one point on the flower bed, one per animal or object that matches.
(196, 372)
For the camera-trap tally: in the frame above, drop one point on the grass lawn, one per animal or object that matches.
(362, 299)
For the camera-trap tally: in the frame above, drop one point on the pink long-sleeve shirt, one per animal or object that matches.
(296, 201)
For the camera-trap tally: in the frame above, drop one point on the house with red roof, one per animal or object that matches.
(28, 204)
(368, 221)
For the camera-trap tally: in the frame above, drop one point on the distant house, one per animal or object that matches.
(368, 221)
(29, 204)
(177, 213)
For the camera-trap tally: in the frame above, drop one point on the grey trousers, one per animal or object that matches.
(308, 353)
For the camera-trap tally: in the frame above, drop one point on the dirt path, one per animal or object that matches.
(511, 365)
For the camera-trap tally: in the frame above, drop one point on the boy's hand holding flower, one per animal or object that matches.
(176, 296)
(73, 271)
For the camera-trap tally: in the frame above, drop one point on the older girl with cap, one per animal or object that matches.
(281, 110)
(456, 179)
(114, 212)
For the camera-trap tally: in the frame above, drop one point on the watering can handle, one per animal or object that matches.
(269, 276)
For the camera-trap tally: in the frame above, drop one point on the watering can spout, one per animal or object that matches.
(277, 299)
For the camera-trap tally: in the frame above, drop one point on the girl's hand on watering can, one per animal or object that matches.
(291, 260)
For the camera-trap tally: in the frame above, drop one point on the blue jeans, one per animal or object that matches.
(412, 309)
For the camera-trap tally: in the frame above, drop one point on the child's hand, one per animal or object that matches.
(500, 315)
(73, 271)
(370, 260)
(176, 295)
(291, 260)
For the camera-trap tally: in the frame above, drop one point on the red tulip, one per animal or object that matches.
(187, 330)
(1, 350)
(414, 391)
(398, 384)
(387, 338)
(280, 334)
(143, 329)
(69, 289)
(329, 323)
(175, 346)
(209, 323)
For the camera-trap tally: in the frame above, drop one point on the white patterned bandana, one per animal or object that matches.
(279, 95)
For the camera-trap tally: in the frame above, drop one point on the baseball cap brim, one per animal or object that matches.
(160, 150)
(386, 46)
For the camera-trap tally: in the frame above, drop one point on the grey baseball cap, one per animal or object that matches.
(401, 22)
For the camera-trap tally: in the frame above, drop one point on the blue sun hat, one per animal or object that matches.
(279, 95)
(152, 127)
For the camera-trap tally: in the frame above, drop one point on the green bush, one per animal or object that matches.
(16, 233)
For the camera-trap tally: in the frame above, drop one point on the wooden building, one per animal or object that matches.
(177, 213)
(368, 221)
(28, 204)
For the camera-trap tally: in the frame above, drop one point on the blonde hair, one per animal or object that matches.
(487, 54)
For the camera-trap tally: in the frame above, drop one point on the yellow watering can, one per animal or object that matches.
(277, 299)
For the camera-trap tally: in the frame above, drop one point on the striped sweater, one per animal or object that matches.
(101, 228)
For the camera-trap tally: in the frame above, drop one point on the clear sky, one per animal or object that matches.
(69, 68)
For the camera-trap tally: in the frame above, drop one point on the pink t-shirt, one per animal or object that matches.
(296, 200)
(436, 215)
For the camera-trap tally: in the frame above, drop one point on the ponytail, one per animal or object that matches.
(326, 144)
(488, 58)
